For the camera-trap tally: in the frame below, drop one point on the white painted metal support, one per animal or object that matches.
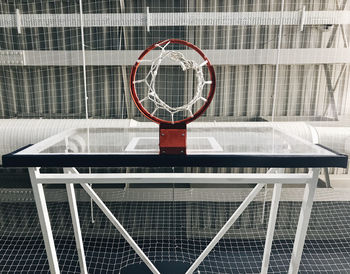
(76, 224)
(331, 90)
(177, 19)
(303, 222)
(226, 227)
(86, 97)
(122, 5)
(18, 21)
(119, 227)
(148, 19)
(72, 176)
(271, 227)
(345, 38)
(74, 58)
(44, 219)
(11, 58)
(192, 178)
(327, 178)
(84, 71)
(271, 170)
(315, 139)
(343, 32)
(274, 94)
(302, 19)
(264, 205)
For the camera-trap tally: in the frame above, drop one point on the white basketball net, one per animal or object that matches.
(185, 65)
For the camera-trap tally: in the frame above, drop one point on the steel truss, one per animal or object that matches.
(274, 176)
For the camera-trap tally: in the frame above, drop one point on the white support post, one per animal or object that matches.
(44, 219)
(226, 227)
(302, 19)
(18, 21)
(271, 227)
(119, 227)
(192, 178)
(303, 222)
(274, 97)
(148, 19)
(76, 225)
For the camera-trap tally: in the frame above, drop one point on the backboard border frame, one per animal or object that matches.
(14, 159)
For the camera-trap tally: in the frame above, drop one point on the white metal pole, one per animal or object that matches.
(76, 225)
(85, 93)
(226, 227)
(44, 219)
(119, 227)
(271, 170)
(84, 60)
(161, 178)
(303, 222)
(271, 227)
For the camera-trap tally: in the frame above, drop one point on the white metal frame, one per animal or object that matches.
(273, 176)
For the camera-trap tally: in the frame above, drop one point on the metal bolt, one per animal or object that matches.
(183, 134)
(162, 134)
(182, 151)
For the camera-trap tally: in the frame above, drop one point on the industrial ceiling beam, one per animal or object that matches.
(217, 57)
(19, 20)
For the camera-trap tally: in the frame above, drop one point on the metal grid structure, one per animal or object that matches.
(313, 45)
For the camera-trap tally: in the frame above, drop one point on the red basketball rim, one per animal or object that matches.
(145, 111)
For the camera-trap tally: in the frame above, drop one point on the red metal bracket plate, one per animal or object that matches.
(172, 139)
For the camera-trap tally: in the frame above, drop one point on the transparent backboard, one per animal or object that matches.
(200, 140)
(222, 144)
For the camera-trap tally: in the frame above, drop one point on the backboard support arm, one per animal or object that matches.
(72, 176)
(44, 220)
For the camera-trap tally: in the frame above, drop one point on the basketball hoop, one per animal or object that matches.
(172, 137)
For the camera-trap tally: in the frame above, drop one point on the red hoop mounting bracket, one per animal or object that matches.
(172, 139)
(172, 134)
